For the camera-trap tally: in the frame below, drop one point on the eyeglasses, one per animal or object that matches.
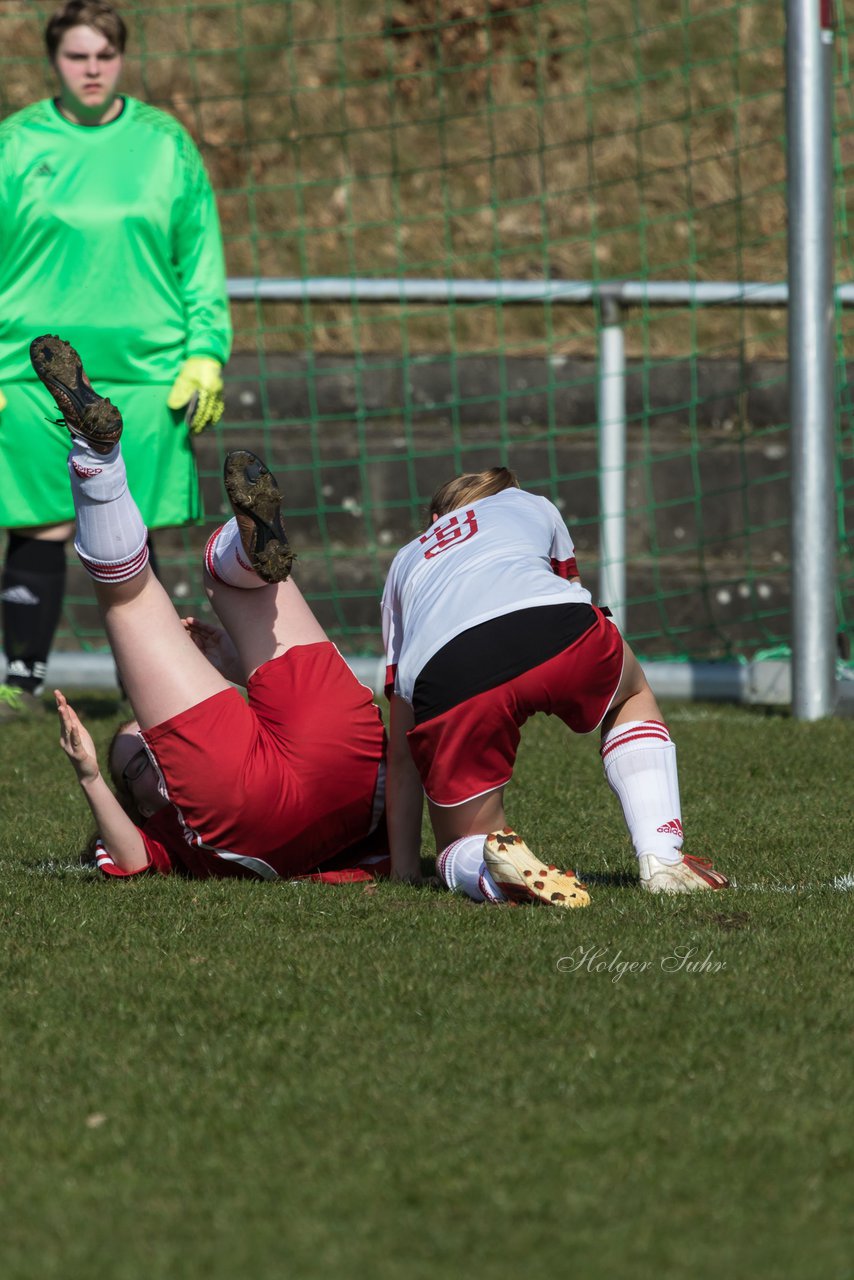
(136, 766)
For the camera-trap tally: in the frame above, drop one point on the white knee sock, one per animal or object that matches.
(225, 559)
(111, 538)
(462, 869)
(640, 766)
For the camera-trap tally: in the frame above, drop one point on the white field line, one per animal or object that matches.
(840, 884)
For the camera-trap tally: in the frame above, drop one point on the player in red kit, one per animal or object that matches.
(287, 783)
(485, 623)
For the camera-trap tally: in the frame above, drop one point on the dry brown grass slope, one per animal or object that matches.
(486, 138)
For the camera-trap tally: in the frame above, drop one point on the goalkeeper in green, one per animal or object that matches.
(109, 229)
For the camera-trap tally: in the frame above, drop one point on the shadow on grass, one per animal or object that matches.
(100, 706)
(610, 879)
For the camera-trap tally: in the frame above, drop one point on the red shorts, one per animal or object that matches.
(471, 749)
(289, 778)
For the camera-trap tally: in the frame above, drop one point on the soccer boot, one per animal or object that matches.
(87, 415)
(522, 878)
(688, 875)
(256, 502)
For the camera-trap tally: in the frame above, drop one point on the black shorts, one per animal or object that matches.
(496, 651)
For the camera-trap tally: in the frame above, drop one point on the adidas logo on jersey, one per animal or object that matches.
(672, 828)
(85, 472)
(18, 595)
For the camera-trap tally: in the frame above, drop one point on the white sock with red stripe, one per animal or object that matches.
(225, 558)
(111, 538)
(640, 766)
(461, 869)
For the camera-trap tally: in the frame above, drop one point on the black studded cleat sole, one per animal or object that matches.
(87, 415)
(256, 501)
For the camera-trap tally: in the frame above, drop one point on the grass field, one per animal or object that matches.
(239, 1080)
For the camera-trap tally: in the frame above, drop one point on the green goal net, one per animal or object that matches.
(360, 142)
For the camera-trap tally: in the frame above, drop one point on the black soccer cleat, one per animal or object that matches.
(86, 414)
(256, 502)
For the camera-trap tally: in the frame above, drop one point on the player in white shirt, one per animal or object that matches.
(486, 622)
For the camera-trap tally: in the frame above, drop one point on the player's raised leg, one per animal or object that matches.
(248, 563)
(162, 670)
(639, 758)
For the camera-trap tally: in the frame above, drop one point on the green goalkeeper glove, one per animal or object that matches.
(199, 387)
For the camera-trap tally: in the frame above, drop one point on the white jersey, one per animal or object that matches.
(486, 559)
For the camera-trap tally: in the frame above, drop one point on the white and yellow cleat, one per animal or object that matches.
(522, 878)
(688, 875)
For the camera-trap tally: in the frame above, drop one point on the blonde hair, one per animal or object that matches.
(468, 488)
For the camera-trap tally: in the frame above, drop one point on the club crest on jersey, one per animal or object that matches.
(672, 828)
(450, 534)
(85, 472)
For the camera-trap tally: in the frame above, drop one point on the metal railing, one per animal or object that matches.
(612, 299)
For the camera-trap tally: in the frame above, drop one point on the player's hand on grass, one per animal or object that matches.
(198, 389)
(409, 877)
(217, 646)
(76, 740)
(406, 864)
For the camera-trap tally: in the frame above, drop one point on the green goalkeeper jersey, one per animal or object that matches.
(109, 237)
(111, 234)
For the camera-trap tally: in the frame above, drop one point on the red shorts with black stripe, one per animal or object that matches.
(471, 748)
(289, 778)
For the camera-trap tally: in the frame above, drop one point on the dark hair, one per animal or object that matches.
(85, 13)
(468, 488)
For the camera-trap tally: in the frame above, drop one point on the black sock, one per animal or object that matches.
(32, 590)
